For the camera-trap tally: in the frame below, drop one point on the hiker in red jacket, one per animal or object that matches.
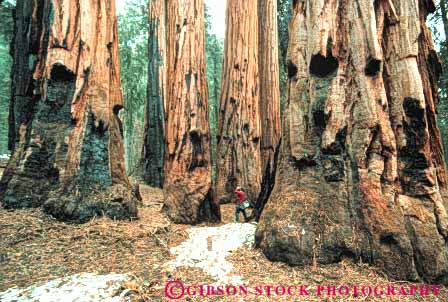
(240, 205)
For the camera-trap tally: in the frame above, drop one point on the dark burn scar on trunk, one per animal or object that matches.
(373, 67)
(197, 155)
(117, 108)
(416, 161)
(321, 66)
(291, 69)
(61, 73)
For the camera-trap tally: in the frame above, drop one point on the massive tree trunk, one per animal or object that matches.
(361, 168)
(188, 185)
(239, 131)
(150, 168)
(69, 153)
(269, 98)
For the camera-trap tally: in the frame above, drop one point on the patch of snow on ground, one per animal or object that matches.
(5, 156)
(207, 248)
(84, 287)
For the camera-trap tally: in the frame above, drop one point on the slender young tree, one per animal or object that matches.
(69, 152)
(188, 186)
(239, 129)
(151, 166)
(269, 75)
(361, 170)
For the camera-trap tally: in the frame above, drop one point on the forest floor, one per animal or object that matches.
(35, 248)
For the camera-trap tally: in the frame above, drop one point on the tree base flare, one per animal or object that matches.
(405, 241)
(116, 202)
(361, 170)
(185, 205)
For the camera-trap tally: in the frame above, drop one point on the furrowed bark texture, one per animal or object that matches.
(239, 129)
(188, 185)
(22, 47)
(69, 153)
(150, 168)
(269, 98)
(361, 166)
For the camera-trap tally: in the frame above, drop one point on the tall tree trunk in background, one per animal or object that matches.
(188, 185)
(150, 168)
(430, 69)
(239, 131)
(216, 81)
(269, 97)
(70, 154)
(444, 12)
(24, 44)
(361, 169)
(217, 59)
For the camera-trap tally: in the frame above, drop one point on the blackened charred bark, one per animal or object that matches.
(68, 154)
(269, 81)
(20, 106)
(267, 185)
(361, 168)
(151, 166)
(16, 190)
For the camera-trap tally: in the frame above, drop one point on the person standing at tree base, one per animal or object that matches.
(241, 204)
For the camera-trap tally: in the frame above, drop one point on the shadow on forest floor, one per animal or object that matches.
(36, 248)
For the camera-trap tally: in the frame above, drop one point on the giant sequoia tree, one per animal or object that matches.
(269, 77)
(64, 112)
(239, 129)
(188, 187)
(361, 169)
(150, 168)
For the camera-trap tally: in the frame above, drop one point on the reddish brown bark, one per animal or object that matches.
(188, 184)
(239, 129)
(361, 167)
(269, 98)
(430, 70)
(70, 152)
